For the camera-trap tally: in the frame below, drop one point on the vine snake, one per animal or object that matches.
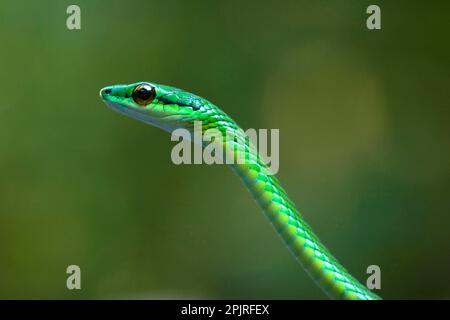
(171, 108)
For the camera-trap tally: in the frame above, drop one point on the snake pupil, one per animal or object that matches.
(143, 94)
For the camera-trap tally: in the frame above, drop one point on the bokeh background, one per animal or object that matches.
(364, 151)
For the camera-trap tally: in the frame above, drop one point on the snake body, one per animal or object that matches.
(171, 108)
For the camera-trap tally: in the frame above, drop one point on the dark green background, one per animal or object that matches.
(364, 151)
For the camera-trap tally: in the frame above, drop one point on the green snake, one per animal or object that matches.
(170, 108)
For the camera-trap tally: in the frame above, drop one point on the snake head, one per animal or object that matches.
(162, 106)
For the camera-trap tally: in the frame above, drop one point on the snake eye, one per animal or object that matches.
(143, 94)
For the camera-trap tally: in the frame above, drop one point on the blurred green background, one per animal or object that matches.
(364, 147)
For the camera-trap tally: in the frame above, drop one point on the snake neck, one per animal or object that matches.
(281, 211)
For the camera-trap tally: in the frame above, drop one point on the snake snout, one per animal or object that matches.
(105, 92)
